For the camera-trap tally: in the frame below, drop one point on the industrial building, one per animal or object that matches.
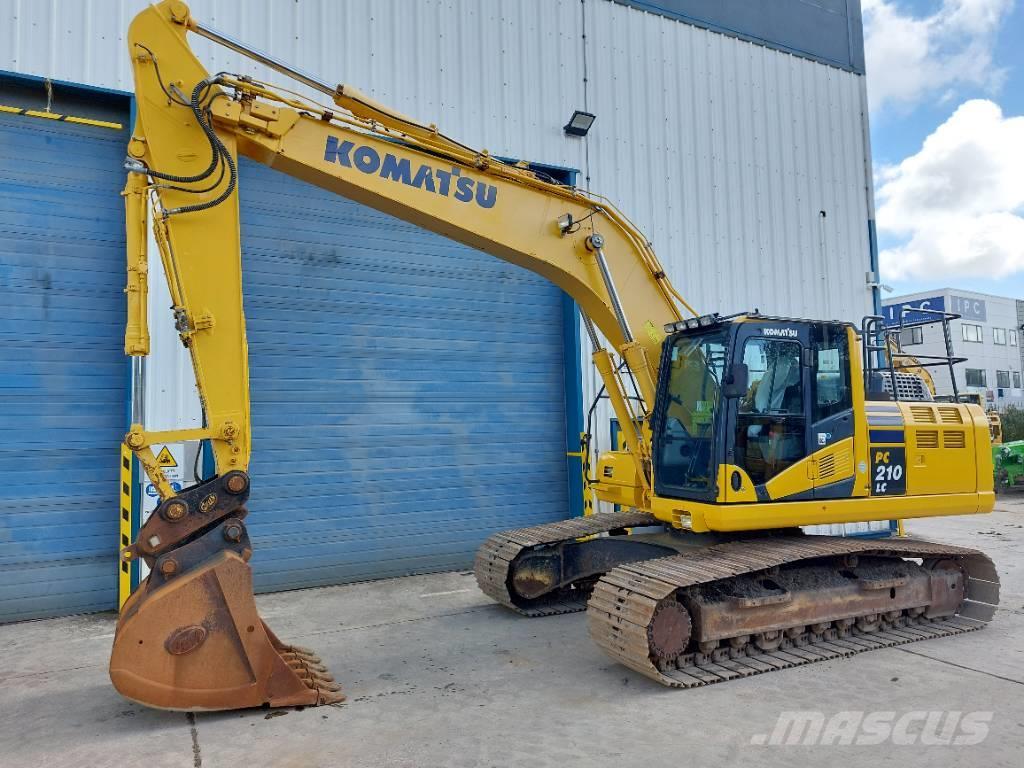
(987, 335)
(735, 135)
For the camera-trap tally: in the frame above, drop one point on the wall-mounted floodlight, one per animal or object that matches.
(872, 280)
(579, 123)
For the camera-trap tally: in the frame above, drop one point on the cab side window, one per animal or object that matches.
(832, 391)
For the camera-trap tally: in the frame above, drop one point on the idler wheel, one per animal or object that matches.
(668, 634)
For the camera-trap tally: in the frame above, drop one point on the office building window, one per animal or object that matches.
(971, 332)
(1003, 379)
(1013, 337)
(999, 336)
(1016, 379)
(975, 377)
(911, 336)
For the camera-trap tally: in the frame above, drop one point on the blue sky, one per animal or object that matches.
(945, 83)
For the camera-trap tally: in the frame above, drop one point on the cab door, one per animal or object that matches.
(831, 412)
(768, 436)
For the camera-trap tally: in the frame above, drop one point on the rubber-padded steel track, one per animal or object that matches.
(495, 557)
(624, 602)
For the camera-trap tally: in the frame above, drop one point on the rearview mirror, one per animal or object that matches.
(736, 381)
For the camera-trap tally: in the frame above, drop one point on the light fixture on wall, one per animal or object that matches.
(579, 123)
(872, 280)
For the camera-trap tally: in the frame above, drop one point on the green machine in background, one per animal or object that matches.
(1008, 464)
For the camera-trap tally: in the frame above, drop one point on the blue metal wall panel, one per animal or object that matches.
(407, 392)
(829, 31)
(62, 370)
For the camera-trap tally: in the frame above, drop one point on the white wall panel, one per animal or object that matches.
(724, 152)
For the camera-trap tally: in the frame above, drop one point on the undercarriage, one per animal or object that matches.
(689, 610)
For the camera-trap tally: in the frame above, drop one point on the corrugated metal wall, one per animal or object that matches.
(407, 393)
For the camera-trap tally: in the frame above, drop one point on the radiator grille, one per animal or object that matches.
(927, 438)
(950, 414)
(954, 439)
(923, 414)
(909, 386)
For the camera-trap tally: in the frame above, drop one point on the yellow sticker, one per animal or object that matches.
(652, 331)
(165, 459)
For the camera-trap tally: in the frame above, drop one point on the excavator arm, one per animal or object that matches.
(190, 637)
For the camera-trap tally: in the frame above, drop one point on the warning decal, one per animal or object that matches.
(165, 459)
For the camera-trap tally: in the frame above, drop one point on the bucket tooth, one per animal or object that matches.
(307, 669)
(291, 651)
(305, 660)
(328, 697)
(300, 663)
(298, 650)
(316, 680)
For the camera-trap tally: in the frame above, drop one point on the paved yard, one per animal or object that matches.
(437, 675)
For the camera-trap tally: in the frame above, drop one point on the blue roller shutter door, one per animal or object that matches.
(62, 369)
(407, 392)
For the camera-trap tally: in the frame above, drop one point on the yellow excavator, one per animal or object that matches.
(737, 429)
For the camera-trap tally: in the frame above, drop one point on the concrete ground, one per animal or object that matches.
(437, 675)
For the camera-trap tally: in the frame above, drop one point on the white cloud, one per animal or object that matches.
(910, 59)
(958, 203)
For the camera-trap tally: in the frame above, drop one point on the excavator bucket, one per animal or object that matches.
(190, 637)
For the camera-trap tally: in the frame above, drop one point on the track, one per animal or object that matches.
(629, 602)
(495, 557)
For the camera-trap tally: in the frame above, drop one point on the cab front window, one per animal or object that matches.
(685, 447)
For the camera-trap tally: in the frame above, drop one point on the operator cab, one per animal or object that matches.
(750, 393)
